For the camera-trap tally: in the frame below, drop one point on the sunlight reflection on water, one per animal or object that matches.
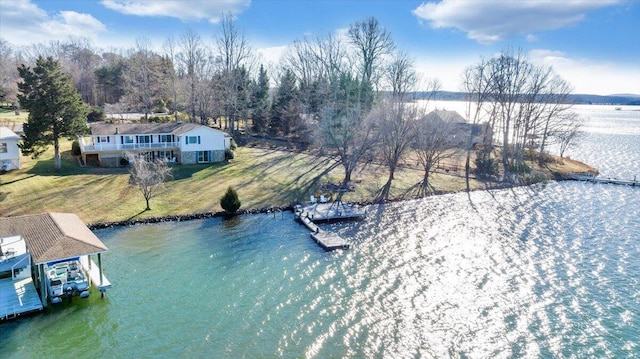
(551, 270)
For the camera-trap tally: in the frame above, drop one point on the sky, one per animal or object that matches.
(593, 44)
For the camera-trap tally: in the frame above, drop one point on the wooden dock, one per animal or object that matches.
(327, 240)
(18, 297)
(331, 211)
(607, 180)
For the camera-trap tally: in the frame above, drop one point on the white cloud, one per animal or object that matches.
(191, 11)
(24, 23)
(271, 55)
(585, 75)
(589, 76)
(488, 21)
(447, 70)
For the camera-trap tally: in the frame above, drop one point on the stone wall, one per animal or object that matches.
(188, 158)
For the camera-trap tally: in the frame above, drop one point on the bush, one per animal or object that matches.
(95, 114)
(75, 148)
(229, 155)
(160, 119)
(124, 162)
(230, 201)
(486, 168)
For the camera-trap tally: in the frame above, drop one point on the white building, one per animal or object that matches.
(9, 150)
(178, 142)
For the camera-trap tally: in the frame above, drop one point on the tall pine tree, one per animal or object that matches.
(54, 105)
(260, 107)
(285, 111)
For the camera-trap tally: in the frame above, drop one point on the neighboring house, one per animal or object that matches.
(177, 142)
(460, 126)
(9, 150)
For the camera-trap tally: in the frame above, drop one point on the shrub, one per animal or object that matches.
(124, 162)
(229, 155)
(95, 114)
(486, 168)
(75, 148)
(230, 201)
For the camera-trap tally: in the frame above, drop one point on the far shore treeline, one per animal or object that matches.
(349, 98)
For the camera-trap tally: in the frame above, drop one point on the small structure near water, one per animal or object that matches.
(50, 255)
(589, 177)
(326, 212)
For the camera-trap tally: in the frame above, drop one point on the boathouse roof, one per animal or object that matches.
(52, 236)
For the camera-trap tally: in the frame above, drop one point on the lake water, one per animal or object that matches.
(551, 270)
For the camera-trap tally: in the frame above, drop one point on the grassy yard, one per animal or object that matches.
(10, 116)
(263, 178)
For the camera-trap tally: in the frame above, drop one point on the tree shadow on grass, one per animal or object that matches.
(135, 215)
(17, 180)
(181, 172)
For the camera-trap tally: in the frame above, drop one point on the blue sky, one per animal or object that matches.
(594, 44)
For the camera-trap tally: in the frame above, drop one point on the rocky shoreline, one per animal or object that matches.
(222, 214)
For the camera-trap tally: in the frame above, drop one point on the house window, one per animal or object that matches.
(103, 139)
(127, 139)
(193, 139)
(3, 148)
(144, 139)
(204, 156)
(165, 138)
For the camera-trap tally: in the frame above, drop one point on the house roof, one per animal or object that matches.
(447, 116)
(7, 134)
(176, 128)
(52, 236)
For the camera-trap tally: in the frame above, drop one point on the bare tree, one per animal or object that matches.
(233, 50)
(395, 122)
(172, 57)
(557, 101)
(401, 76)
(372, 43)
(568, 132)
(8, 74)
(148, 176)
(192, 58)
(477, 82)
(349, 136)
(141, 75)
(433, 142)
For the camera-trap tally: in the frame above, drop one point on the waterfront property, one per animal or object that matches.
(176, 142)
(49, 254)
(9, 151)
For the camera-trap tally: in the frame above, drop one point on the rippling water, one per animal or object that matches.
(551, 270)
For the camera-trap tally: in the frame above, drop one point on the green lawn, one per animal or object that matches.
(263, 178)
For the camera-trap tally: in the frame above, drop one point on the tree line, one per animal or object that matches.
(353, 95)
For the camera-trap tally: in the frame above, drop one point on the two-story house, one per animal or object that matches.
(179, 142)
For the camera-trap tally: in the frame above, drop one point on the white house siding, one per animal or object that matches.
(9, 151)
(203, 145)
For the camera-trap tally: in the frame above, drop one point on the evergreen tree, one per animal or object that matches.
(230, 201)
(54, 105)
(285, 112)
(260, 102)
